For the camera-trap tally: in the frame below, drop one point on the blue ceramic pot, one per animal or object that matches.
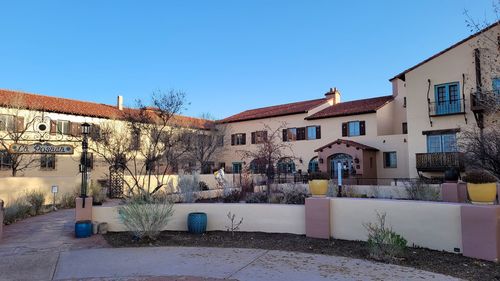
(83, 229)
(197, 223)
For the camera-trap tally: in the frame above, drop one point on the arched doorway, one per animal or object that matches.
(286, 166)
(346, 163)
(313, 166)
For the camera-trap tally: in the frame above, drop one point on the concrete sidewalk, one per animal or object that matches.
(222, 263)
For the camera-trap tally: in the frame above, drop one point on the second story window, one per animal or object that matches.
(302, 133)
(405, 128)
(259, 137)
(63, 127)
(239, 139)
(441, 143)
(353, 128)
(390, 159)
(48, 161)
(496, 85)
(447, 98)
(7, 122)
(313, 132)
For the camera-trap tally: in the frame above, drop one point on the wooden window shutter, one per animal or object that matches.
(264, 135)
(362, 130)
(232, 139)
(318, 132)
(285, 135)
(53, 127)
(244, 136)
(344, 129)
(19, 124)
(253, 138)
(73, 129)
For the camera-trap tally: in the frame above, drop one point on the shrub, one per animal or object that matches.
(318, 176)
(16, 210)
(145, 216)
(256, 197)
(234, 224)
(420, 190)
(232, 196)
(97, 193)
(188, 185)
(35, 198)
(294, 195)
(479, 176)
(383, 243)
(67, 201)
(203, 185)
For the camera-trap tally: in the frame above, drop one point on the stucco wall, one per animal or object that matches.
(331, 130)
(447, 67)
(256, 217)
(426, 224)
(430, 225)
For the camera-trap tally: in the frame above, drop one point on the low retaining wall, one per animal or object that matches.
(431, 225)
(256, 217)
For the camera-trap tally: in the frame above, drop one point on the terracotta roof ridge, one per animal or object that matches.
(282, 104)
(56, 97)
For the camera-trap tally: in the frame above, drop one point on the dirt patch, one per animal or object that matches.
(425, 259)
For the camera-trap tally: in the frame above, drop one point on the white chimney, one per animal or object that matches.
(333, 96)
(119, 102)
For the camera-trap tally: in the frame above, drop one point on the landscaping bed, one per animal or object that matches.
(424, 259)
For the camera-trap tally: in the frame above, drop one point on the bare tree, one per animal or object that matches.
(149, 143)
(482, 148)
(16, 127)
(270, 149)
(206, 143)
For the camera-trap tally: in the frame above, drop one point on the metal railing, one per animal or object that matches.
(437, 108)
(480, 100)
(439, 161)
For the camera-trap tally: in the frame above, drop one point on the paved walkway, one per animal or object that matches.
(43, 248)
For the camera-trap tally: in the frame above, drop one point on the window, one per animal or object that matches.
(405, 128)
(237, 167)
(390, 159)
(238, 139)
(404, 102)
(258, 166)
(302, 133)
(220, 140)
(48, 161)
(353, 128)
(286, 166)
(313, 132)
(259, 137)
(208, 167)
(442, 143)
(135, 139)
(447, 98)
(313, 165)
(496, 85)
(7, 122)
(63, 127)
(5, 160)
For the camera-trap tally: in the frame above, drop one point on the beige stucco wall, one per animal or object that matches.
(430, 225)
(331, 130)
(14, 187)
(445, 68)
(256, 217)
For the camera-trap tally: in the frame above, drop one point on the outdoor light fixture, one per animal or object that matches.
(84, 162)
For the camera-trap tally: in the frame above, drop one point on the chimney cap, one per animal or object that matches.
(332, 91)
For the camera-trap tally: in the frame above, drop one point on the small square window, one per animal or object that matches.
(63, 127)
(390, 159)
(48, 161)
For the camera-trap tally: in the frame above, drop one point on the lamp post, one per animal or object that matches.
(84, 161)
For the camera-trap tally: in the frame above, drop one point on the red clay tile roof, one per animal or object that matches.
(402, 74)
(274, 111)
(352, 107)
(348, 143)
(80, 108)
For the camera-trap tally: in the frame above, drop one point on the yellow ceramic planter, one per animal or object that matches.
(482, 193)
(318, 188)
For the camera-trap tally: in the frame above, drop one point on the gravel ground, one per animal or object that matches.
(440, 262)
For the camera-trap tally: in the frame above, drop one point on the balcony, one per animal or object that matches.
(480, 100)
(440, 161)
(448, 107)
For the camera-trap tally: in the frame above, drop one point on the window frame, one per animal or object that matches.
(358, 125)
(5, 165)
(43, 159)
(60, 130)
(444, 104)
(439, 143)
(10, 126)
(388, 157)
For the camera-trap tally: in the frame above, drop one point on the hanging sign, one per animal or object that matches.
(40, 148)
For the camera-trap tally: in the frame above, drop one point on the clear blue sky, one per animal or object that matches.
(227, 56)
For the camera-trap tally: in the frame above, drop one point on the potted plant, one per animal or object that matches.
(197, 222)
(318, 184)
(481, 187)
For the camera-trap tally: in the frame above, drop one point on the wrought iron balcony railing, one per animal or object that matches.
(439, 161)
(481, 100)
(447, 107)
